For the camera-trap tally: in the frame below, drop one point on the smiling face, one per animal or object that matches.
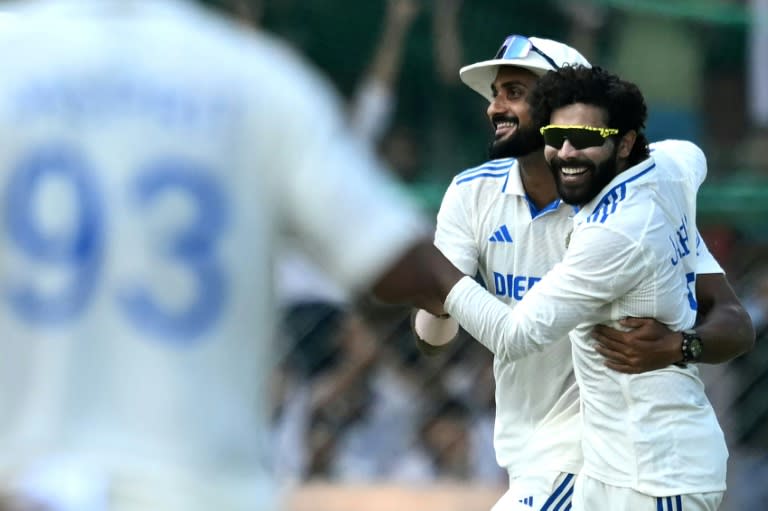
(509, 113)
(580, 174)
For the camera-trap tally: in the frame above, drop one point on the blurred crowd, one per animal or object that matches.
(354, 399)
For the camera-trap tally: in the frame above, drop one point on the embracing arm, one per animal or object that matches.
(595, 272)
(723, 324)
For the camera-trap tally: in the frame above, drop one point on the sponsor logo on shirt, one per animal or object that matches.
(513, 286)
(501, 235)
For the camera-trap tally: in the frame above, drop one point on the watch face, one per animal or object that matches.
(695, 348)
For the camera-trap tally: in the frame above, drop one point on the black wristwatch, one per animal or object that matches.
(691, 347)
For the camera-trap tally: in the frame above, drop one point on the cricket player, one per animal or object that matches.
(151, 155)
(505, 221)
(650, 441)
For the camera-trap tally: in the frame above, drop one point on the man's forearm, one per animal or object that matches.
(726, 332)
(724, 326)
(492, 322)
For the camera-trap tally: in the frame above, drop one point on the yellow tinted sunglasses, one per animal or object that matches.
(580, 137)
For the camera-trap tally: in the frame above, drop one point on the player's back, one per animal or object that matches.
(135, 212)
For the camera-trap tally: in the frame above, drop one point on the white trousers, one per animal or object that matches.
(544, 491)
(592, 495)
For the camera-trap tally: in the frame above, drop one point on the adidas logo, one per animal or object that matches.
(527, 501)
(501, 235)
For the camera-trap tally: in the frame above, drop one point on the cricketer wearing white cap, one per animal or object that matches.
(532, 53)
(504, 222)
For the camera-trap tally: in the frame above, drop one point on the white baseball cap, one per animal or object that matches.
(532, 53)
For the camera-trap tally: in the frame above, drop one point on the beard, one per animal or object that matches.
(592, 181)
(523, 142)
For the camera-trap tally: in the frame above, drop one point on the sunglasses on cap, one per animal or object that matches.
(580, 137)
(518, 47)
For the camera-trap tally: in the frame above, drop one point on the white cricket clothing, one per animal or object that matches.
(590, 494)
(632, 253)
(487, 225)
(152, 155)
(542, 491)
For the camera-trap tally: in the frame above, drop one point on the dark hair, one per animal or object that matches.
(622, 101)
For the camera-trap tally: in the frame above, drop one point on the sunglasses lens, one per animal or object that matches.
(581, 139)
(578, 138)
(554, 137)
(514, 47)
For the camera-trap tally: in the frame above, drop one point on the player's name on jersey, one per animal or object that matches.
(206, 107)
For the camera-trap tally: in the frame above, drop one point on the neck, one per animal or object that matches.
(537, 179)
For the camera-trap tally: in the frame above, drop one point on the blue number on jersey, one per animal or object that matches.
(81, 251)
(690, 278)
(192, 247)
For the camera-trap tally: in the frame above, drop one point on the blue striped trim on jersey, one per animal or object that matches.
(493, 168)
(552, 206)
(698, 244)
(560, 500)
(669, 503)
(501, 163)
(611, 199)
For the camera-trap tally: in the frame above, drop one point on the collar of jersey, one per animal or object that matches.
(514, 186)
(621, 180)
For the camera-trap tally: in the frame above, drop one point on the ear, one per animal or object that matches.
(626, 144)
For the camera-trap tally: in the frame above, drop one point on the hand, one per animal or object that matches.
(649, 345)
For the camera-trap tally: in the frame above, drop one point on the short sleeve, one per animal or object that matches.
(454, 235)
(705, 261)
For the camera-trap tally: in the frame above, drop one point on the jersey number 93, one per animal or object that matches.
(79, 252)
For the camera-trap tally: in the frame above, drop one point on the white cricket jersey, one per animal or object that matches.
(487, 225)
(633, 252)
(151, 155)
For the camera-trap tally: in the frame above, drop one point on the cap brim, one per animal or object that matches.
(480, 76)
